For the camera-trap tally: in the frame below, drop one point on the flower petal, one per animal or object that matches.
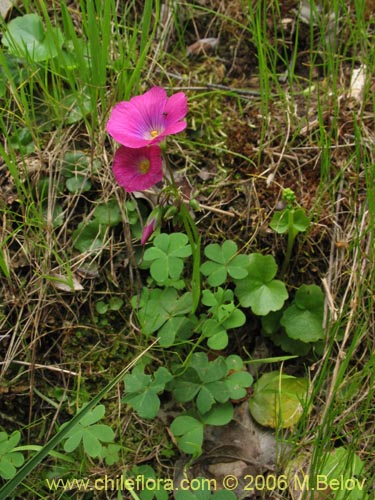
(151, 106)
(147, 231)
(126, 167)
(176, 108)
(148, 118)
(127, 125)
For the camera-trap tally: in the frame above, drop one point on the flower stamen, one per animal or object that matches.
(144, 166)
(154, 133)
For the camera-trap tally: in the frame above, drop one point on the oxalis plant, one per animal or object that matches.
(195, 298)
(193, 301)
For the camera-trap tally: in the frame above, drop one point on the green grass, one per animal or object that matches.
(308, 131)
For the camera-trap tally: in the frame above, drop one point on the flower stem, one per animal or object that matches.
(194, 239)
(292, 233)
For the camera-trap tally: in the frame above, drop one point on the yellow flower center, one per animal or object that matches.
(154, 133)
(144, 166)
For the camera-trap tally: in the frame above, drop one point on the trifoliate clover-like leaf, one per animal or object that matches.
(89, 433)
(204, 380)
(166, 256)
(188, 432)
(223, 260)
(165, 311)
(237, 384)
(141, 390)
(10, 460)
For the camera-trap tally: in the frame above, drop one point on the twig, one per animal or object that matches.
(215, 86)
(36, 365)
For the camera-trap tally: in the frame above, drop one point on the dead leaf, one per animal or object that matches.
(357, 83)
(240, 448)
(203, 45)
(64, 283)
(5, 6)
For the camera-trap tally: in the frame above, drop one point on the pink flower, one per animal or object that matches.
(137, 169)
(147, 231)
(146, 119)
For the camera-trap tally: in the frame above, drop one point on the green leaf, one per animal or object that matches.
(186, 387)
(259, 290)
(10, 460)
(237, 383)
(189, 434)
(93, 416)
(161, 377)
(220, 414)
(280, 221)
(172, 329)
(223, 314)
(218, 341)
(91, 445)
(224, 495)
(115, 303)
(202, 491)
(161, 490)
(288, 344)
(73, 162)
(234, 363)
(235, 319)
(158, 307)
(146, 404)
(26, 37)
(223, 261)
(110, 453)
(271, 323)
(78, 184)
(208, 371)
(89, 433)
(342, 464)
(300, 221)
(205, 400)
(76, 108)
(102, 432)
(203, 379)
(142, 390)
(216, 333)
(108, 214)
(57, 215)
(88, 236)
(166, 256)
(101, 307)
(73, 441)
(11, 70)
(278, 400)
(22, 140)
(137, 380)
(303, 320)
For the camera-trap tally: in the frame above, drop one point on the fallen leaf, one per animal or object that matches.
(241, 449)
(357, 83)
(5, 6)
(202, 46)
(64, 283)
